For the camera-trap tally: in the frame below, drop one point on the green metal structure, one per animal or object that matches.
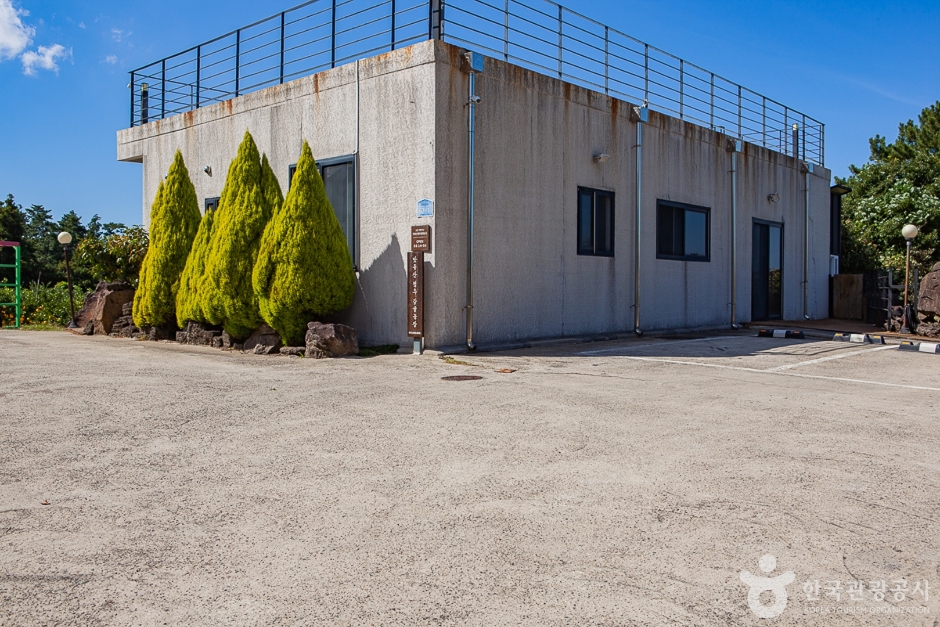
(18, 298)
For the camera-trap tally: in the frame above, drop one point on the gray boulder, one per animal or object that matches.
(263, 341)
(102, 307)
(929, 300)
(330, 340)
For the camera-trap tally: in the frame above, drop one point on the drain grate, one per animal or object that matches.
(462, 377)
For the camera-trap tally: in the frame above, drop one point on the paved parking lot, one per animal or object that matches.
(614, 483)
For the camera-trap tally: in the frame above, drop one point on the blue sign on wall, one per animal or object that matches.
(425, 208)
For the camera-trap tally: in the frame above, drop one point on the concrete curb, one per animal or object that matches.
(859, 338)
(781, 333)
(920, 347)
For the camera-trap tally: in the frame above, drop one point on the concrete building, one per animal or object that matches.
(591, 214)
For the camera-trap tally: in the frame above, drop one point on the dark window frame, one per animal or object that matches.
(592, 251)
(684, 207)
(211, 204)
(352, 240)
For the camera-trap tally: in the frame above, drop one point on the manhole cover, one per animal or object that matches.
(462, 377)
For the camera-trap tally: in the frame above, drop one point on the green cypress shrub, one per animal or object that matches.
(227, 296)
(188, 302)
(304, 267)
(174, 219)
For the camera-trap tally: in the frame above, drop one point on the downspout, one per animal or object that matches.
(734, 147)
(475, 65)
(807, 169)
(641, 115)
(356, 173)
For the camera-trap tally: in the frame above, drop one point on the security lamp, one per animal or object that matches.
(208, 170)
(909, 232)
(65, 238)
(775, 197)
(601, 158)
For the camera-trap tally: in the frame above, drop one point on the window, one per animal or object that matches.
(682, 231)
(339, 179)
(212, 204)
(595, 222)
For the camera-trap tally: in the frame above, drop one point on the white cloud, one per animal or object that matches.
(45, 58)
(82, 26)
(14, 36)
(111, 59)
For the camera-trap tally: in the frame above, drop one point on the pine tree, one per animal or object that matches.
(174, 219)
(227, 296)
(304, 267)
(188, 302)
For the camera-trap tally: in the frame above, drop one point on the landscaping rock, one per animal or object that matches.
(230, 344)
(199, 334)
(330, 340)
(295, 351)
(929, 300)
(103, 306)
(162, 332)
(263, 341)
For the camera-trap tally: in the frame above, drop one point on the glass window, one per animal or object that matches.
(339, 181)
(595, 222)
(682, 231)
(212, 204)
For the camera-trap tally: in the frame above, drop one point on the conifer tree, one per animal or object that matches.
(188, 301)
(227, 296)
(174, 219)
(304, 267)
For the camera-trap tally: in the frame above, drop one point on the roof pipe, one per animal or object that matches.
(641, 116)
(474, 61)
(807, 169)
(734, 147)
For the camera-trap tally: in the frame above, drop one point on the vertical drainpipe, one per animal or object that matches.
(734, 147)
(641, 115)
(807, 169)
(474, 62)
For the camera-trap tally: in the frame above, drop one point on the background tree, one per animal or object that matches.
(188, 299)
(12, 229)
(174, 219)
(304, 267)
(244, 210)
(900, 184)
(116, 256)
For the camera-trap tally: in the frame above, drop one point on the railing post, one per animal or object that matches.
(763, 122)
(822, 144)
(132, 99)
(333, 35)
(163, 89)
(393, 24)
(740, 133)
(198, 72)
(144, 103)
(506, 34)
(711, 106)
(607, 60)
(282, 43)
(238, 53)
(786, 129)
(560, 9)
(803, 147)
(646, 75)
(681, 89)
(436, 19)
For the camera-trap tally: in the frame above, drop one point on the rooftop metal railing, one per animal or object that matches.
(537, 34)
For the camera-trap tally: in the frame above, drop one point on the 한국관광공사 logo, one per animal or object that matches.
(776, 585)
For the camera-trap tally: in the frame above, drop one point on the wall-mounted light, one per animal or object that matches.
(208, 170)
(775, 197)
(601, 158)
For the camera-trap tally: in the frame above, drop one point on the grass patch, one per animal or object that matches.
(456, 362)
(375, 351)
(39, 327)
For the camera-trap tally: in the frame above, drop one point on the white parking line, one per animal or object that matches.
(778, 373)
(829, 358)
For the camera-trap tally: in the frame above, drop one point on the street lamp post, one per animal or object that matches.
(909, 232)
(65, 239)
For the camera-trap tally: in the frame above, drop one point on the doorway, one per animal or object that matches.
(767, 271)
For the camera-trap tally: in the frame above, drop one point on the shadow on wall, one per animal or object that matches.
(378, 310)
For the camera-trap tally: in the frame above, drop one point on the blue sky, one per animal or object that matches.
(860, 67)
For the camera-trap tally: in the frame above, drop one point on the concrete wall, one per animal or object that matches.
(536, 137)
(395, 137)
